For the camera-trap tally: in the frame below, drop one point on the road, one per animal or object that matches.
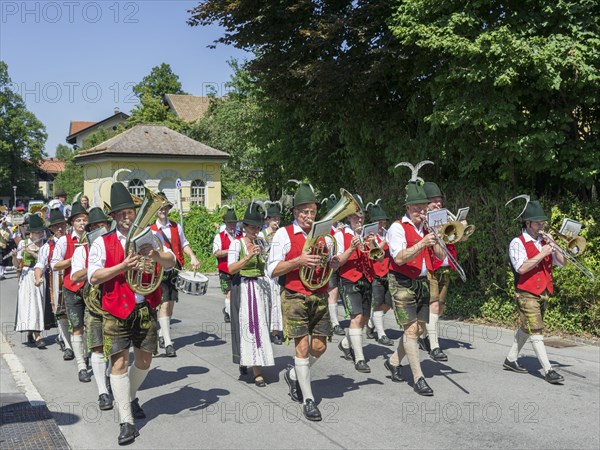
(198, 400)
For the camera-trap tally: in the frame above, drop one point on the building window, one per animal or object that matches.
(198, 193)
(136, 187)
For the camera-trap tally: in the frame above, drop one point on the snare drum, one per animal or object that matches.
(192, 283)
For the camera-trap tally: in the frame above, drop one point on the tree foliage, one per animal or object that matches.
(22, 139)
(152, 110)
(161, 80)
(63, 152)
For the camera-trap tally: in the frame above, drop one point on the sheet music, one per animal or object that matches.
(462, 214)
(321, 228)
(438, 217)
(145, 237)
(570, 228)
(370, 228)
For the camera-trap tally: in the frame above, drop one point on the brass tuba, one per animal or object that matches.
(324, 245)
(147, 277)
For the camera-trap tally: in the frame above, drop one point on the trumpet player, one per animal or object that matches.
(305, 312)
(532, 258)
(130, 318)
(411, 246)
(93, 321)
(172, 234)
(72, 291)
(356, 276)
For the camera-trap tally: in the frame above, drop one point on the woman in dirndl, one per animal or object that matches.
(31, 298)
(245, 260)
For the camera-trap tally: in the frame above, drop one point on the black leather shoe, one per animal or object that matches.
(226, 317)
(370, 332)
(128, 433)
(259, 381)
(68, 354)
(348, 353)
(338, 330)
(514, 366)
(40, 344)
(295, 391)
(170, 351)
(384, 340)
(395, 371)
(424, 344)
(362, 366)
(30, 339)
(161, 342)
(243, 370)
(438, 355)
(553, 377)
(104, 402)
(84, 376)
(422, 388)
(136, 410)
(310, 410)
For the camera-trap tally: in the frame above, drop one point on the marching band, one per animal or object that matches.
(116, 287)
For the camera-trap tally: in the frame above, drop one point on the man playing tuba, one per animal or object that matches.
(131, 317)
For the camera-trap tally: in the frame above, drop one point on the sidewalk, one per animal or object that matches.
(24, 424)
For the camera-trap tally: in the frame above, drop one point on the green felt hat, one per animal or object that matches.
(328, 203)
(76, 209)
(359, 200)
(97, 216)
(120, 198)
(415, 194)
(432, 189)
(534, 212)
(60, 193)
(304, 194)
(376, 212)
(273, 208)
(229, 215)
(36, 224)
(56, 217)
(254, 214)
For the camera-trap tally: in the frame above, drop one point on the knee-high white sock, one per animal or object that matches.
(99, 369)
(227, 306)
(63, 332)
(378, 322)
(303, 373)
(518, 343)
(346, 343)
(165, 323)
(120, 388)
(136, 378)
(1, 271)
(537, 340)
(356, 340)
(370, 323)
(431, 328)
(78, 350)
(333, 314)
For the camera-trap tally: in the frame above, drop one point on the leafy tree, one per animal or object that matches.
(160, 81)
(152, 110)
(63, 152)
(22, 139)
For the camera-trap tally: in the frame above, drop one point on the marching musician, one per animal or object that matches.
(58, 227)
(221, 244)
(250, 294)
(7, 245)
(93, 321)
(130, 318)
(172, 234)
(380, 290)
(333, 291)
(532, 258)
(356, 276)
(72, 291)
(272, 222)
(305, 312)
(410, 249)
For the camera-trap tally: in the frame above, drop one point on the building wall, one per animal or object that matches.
(157, 174)
(108, 125)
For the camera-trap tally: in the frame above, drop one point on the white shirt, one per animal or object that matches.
(78, 260)
(20, 248)
(396, 238)
(518, 254)
(42, 262)
(280, 247)
(97, 258)
(339, 238)
(167, 230)
(60, 249)
(217, 241)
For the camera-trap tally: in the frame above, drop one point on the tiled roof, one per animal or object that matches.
(77, 126)
(187, 107)
(52, 165)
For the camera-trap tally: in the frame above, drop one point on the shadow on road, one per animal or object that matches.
(158, 377)
(336, 386)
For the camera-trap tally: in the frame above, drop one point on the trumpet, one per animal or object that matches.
(370, 247)
(264, 246)
(442, 243)
(575, 247)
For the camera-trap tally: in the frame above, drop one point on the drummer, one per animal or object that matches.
(172, 234)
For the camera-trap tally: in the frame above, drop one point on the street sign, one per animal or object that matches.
(178, 183)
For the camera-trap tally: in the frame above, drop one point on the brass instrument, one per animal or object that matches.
(264, 246)
(468, 231)
(452, 232)
(370, 247)
(91, 294)
(147, 277)
(575, 247)
(324, 245)
(442, 243)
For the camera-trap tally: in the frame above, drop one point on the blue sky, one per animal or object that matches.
(77, 60)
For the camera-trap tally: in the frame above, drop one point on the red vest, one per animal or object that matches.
(67, 282)
(117, 297)
(412, 269)
(292, 279)
(437, 263)
(225, 243)
(357, 265)
(175, 246)
(538, 279)
(51, 245)
(381, 268)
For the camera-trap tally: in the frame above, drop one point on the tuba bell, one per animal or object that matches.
(146, 278)
(324, 245)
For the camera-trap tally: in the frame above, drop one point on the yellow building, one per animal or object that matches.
(155, 156)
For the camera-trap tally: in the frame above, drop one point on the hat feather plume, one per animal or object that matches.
(523, 196)
(414, 169)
